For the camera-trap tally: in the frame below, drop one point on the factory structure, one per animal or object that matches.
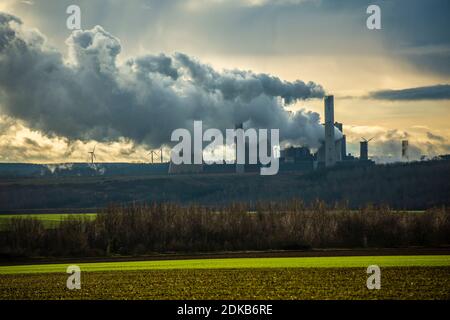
(331, 153)
(405, 150)
(333, 149)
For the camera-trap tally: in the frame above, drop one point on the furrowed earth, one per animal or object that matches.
(402, 277)
(275, 283)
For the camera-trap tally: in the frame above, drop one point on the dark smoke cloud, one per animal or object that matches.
(435, 137)
(437, 92)
(145, 99)
(247, 85)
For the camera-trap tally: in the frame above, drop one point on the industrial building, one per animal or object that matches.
(332, 152)
(297, 159)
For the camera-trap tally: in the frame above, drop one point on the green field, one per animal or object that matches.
(420, 283)
(403, 277)
(241, 263)
(49, 220)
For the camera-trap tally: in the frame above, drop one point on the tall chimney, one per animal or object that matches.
(330, 144)
(240, 140)
(343, 150)
(364, 151)
(405, 151)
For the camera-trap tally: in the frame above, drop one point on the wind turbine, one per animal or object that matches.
(365, 140)
(152, 154)
(92, 153)
(155, 153)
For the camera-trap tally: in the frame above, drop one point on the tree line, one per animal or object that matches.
(168, 227)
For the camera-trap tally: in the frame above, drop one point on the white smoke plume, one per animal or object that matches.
(89, 96)
(386, 146)
(59, 167)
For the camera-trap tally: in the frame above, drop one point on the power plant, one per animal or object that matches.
(332, 152)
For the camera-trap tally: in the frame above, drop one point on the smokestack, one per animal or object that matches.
(364, 150)
(344, 147)
(240, 140)
(405, 151)
(343, 150)
(330, 145)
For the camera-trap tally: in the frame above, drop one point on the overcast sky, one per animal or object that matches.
(391, 83)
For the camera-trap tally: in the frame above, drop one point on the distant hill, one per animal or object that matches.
(412, 186)
(22, 170)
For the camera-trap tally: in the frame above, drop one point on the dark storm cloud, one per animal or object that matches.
(418, 31)
(413, 30)
(437, 92)
(145, 99)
